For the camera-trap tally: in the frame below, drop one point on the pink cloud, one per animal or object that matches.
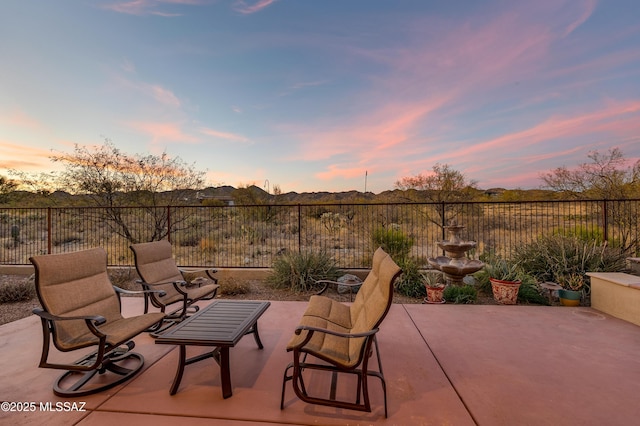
(164, 96)
(19, 118)
(161, 94)
(337, 171)
(163, 132)
(562, 127)
(224, 135)
(589, 8)
(147, 7)
(241, 6)
(23, 157)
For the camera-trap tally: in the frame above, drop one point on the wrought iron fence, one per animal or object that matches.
(252, 236)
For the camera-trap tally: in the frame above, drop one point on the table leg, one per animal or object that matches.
(180, 371)
(225, 373)
(256, 336)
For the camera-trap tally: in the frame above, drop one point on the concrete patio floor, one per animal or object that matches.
(444, 365)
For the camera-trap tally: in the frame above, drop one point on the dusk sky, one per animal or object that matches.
(311, 95)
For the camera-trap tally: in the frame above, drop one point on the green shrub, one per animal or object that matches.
(411, 282)
(300, 271)
(465, 294)
(393, 241)
(530, 291)
(582, 233)
(17, 292)
(558, 258)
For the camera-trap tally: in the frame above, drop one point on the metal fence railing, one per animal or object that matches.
(251, 236)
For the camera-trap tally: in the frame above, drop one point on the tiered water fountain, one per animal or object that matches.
(455, 265)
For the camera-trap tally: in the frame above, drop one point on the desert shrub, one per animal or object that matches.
(557, 257)
(233, 287)
(67, 239)
(392, 240)
(189, 239)
(582, 233)
(125, 278)
(208, 245)
(300, 271)
(17, 292)
(410, 282)
(465, 294)
(212, 202)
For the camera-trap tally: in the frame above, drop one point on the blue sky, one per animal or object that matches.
(312, 94)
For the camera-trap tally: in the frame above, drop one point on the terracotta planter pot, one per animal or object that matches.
(434, 294)
(505, 292)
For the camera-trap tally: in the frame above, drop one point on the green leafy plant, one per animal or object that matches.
(566, 260)
(433, 278)
(411, 282)
(530, 291)
(509, 270)
(393, 241)
(300, 271)
(498, 268)
(465, 294)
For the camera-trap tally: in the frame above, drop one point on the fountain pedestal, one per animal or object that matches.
(455, 264)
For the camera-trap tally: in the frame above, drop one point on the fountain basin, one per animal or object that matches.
(456, 267)
(460, 247)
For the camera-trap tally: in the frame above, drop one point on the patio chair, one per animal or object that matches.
(158, 270)
(80, 309)
(341, 338)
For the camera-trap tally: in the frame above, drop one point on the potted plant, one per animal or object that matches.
(434, 284)
(505, 281)
(571, 292)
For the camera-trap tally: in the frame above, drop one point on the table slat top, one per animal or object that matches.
(222, 323)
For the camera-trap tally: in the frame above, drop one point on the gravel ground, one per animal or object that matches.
(231, 289)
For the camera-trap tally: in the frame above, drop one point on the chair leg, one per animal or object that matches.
(285, 379)
(362, 403)
(75, 388)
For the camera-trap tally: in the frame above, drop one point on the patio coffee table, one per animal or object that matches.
(221, 324)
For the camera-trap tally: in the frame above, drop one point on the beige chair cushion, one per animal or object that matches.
(155, 264)
(77, 284)
(366, 313)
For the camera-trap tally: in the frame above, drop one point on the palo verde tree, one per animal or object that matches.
(7, 186)
(113, 179)
(607, 177)
(443, 185)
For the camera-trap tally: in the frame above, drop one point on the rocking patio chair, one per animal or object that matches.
(158, 270)
(343, 338)
(80, 309)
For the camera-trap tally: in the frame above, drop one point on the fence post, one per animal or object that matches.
(299, 228)
(605, 221)
(49, 230)
(444, 219)
(169, 223)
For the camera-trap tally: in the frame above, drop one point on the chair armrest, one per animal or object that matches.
(123, 291)
(196, 270)
(327, 283)
(182, 283)
(208, 271)
(97, 319)
(311, 329)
